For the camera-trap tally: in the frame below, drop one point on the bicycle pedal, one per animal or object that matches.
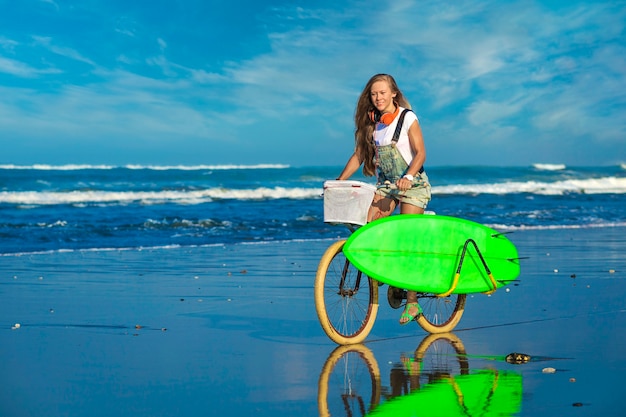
(395, 296)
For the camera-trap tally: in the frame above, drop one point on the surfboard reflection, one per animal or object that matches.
(435, 381)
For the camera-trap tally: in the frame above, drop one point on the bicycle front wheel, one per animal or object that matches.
(346, 300)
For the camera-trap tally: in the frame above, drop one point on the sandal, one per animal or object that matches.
(410, 365)
(408, 316)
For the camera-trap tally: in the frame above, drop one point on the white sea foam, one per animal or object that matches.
(124, 249)
(511, 228)
(163, 247)
(45, 167)
(605, 185)
(34, 198)
(499, 227)
(206, 167)
(77, 167)
(26, 199)
(549, 167)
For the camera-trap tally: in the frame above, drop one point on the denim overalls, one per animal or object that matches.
(391, 166)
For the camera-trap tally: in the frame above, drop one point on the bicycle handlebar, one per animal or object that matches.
(388, 186)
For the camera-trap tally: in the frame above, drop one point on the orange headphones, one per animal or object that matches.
(385, 118)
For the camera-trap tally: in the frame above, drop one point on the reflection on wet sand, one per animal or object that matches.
(349, 383)
(435, 380)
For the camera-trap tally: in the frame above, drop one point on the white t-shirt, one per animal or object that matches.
(384, 133)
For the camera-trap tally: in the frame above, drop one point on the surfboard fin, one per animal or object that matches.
(501, 234)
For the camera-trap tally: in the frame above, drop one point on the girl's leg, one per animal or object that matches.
(412, 310)
(381, 207)
(410, 209)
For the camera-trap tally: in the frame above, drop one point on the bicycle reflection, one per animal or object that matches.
(435, 381)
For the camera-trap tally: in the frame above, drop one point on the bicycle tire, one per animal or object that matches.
(346, 300)
(440, 314)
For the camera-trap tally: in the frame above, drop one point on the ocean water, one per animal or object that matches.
(83, 207)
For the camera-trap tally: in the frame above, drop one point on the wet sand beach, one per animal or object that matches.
(232, 330)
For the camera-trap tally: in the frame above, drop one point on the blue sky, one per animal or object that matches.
(247, 81)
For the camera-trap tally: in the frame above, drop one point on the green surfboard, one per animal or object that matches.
(483, 393)
(423, 253)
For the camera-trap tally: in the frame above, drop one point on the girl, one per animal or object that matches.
(389, 143)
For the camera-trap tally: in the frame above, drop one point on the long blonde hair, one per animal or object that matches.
(364, 126)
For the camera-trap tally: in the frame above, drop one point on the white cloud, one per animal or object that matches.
(483, 71)
(13, 67)
(67, 52)
(485, 112)
(20, 69)
(8, 44)
(162, 44)
(51, 2)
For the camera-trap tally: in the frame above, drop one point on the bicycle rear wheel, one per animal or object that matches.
(346, 300)
(440, 314)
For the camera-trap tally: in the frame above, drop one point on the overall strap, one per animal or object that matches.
(396, 134)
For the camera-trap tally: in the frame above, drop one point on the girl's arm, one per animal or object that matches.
(351, 166)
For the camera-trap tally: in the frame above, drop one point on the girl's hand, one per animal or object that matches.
(404, 184)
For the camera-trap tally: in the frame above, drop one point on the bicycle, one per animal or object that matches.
(346, 300)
